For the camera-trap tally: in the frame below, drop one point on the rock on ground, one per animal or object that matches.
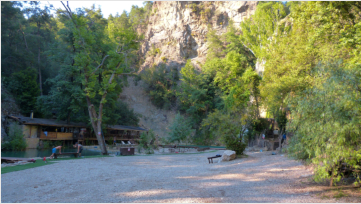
(228, 155)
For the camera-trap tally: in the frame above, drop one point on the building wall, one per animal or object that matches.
(32, 143)
(30, 131)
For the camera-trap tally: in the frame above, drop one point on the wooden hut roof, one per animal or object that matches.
(59, 123)
(46, 122)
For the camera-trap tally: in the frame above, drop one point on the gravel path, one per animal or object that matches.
(261, 177)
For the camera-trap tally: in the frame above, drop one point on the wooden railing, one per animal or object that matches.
(77, 136)
(57, 135)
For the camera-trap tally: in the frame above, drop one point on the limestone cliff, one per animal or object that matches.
(177, 32)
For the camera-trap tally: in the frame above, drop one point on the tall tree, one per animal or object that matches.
(39, 17)
(98, 70)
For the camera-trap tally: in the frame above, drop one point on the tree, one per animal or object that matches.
(326, 121)
(92, 64)
(15, 139)
(23, 86)
(227, 128)
(161, 85)
(263, 27)
(39, 17)
(179, 130)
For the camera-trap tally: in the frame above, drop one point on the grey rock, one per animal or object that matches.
(228, 155)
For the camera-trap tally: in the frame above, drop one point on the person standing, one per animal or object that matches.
(80, 148)
(54, 151)
(283, 138)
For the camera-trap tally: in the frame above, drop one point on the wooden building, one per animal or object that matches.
(40, 129)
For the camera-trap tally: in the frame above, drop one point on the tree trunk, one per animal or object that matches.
(96, 124)
(39, 70)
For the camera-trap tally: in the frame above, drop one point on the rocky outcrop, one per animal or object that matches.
(177, 32)
(178, 29)
(8, 107)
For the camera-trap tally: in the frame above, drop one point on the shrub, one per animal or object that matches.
(235, 144)
(164, 59)
(153, 51)
(180, 129)
(194, 7)
(146, 142)
(15, 139)
(228, 128)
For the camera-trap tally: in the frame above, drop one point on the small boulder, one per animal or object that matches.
(228, 155)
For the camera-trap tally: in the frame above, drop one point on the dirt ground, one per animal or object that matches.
(260, 177)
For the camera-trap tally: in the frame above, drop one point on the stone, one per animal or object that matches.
(228, 155)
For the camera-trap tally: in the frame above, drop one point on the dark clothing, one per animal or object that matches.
(81, 148)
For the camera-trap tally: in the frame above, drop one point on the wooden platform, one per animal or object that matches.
(13, 159)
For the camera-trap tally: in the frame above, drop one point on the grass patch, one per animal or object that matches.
(340, 194)
(38, 163)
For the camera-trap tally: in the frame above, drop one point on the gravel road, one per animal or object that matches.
(260, 177)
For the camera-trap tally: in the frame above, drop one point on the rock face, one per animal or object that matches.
(8, 107)
(178, 30)
(228, 155)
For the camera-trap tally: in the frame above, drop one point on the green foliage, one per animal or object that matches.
(215, 44)
(180, 130)
(326, 120)
(197, 94)
(154, 51)
(161, 84)
(23, 86)
(47, 144)
(262, 28)
(146, 142)
(164, 59)
(228, 129)
(194, 7)
(15, 139)
(119, 113)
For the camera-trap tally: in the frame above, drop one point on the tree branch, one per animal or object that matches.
(100, 113)
(100, 64)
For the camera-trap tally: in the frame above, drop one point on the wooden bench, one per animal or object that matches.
(65, 153)
(210, 159)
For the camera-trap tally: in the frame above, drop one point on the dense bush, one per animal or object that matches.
(180, 130)
(147, 142)
(15, 139)
(23, 86)
(227, 128)
(326, 121)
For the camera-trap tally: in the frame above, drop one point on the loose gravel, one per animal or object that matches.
(181, 178)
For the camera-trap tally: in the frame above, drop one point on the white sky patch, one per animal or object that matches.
(107, 7)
